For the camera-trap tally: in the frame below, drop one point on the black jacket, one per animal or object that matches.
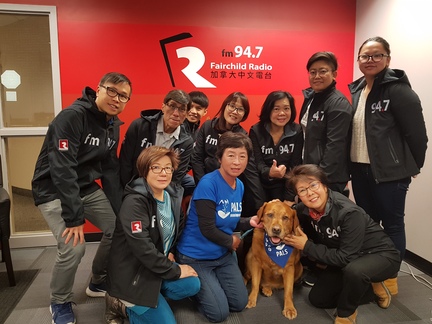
(137, 264)
(287, 152)
(80, 147)
(327, 134)
(344, 233)
(395, 127)
(141, 134)
(191, 128)
(204, 160)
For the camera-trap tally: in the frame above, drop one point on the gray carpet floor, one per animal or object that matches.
(412, 305)
(10, 296)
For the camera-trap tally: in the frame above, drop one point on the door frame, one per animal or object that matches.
(37, 238)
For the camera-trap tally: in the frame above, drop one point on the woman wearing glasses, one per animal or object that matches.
(325, 118)
(234, 109)
(388, 140)
(142, 270)
(356, 254)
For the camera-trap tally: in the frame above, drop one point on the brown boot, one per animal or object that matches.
(383, 294)
(346, 320)
(115, 310)
(392, 285)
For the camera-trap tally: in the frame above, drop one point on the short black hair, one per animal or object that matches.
(116, 78)
(328, 57)
(233, 140)
(306, 172)
(199, 98)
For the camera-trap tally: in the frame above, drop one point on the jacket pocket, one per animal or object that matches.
(392, 151)
(137, 277)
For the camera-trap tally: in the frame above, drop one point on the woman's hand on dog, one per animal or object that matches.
(298, 240)
(255, 222)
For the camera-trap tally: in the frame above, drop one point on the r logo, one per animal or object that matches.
(196, 59)
(63, 145)
(136, 227)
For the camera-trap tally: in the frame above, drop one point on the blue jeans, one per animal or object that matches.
(172, 289)
(384, 202)
(222, 287)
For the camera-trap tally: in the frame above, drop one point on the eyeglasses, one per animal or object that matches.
(314, 186)
(158, 169)
(181, 109)
(314, 73)
(375, 58)
(231, 108)
(113, 93)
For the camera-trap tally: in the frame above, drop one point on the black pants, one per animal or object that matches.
(349, 287)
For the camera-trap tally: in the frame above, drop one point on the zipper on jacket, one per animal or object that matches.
(392, 151)
(137, 277)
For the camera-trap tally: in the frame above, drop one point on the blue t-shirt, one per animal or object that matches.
(228, 209)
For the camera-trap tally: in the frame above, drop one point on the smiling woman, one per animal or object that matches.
(208, 238)
(326, 117)
(151, 221)
(234, 110)
(345, 241)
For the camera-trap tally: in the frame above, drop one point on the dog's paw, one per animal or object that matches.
(267, 291)
(290, 313)
(251, 303)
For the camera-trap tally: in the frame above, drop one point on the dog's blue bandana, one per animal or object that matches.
(278, 253)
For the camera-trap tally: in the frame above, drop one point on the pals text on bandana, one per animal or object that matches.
(278, 253)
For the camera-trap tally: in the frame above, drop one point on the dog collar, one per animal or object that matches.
(280, 253)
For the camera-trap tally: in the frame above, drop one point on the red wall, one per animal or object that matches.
(100, 36)
(96, 37)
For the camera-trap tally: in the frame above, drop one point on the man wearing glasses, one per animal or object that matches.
(158, 127)
(79, 148)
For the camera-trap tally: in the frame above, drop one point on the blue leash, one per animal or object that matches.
(246, 233)
(241, 238)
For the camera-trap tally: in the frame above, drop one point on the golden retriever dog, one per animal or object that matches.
(279, 220)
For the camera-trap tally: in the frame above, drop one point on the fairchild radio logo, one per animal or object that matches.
(196, 61)
(235, 69)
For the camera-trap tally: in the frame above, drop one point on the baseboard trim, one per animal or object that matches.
(46, 239)
(418, 262)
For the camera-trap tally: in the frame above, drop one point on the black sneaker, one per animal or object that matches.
(310, 279)
(62, 313)
(94, 290)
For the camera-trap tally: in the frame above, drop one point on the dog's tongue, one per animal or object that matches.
(275, 240)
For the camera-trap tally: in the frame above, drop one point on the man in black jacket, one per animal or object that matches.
(79, 148)
(158, 127)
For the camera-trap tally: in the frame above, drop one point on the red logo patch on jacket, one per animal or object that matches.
(63, 145)
(136, 227)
